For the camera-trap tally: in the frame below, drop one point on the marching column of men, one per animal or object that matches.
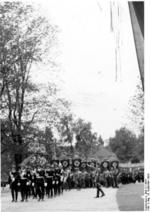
(35, 182)
(51, 181)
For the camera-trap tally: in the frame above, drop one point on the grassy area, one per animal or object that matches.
(129, 197)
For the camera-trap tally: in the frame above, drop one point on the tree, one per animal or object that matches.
(100, 140)
(138, 152)
(55, 109)
(66, 130)
(24, 38)
(49, 142)
(101, 153)
(89, 145)
(123, 144)
(86, 139)
(137, 109)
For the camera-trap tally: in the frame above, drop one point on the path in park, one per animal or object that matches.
(74, 200)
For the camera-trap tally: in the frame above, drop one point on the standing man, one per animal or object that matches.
(40, 184)
(49, 179)
(115, 177)
(13, 181)
(33, 183)
(24, 184)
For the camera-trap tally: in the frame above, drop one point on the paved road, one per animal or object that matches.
(130, 197)
(73, 200)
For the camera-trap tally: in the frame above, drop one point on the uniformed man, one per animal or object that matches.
(115, 177)
(24, 184)
(29, 181)
(99, 186)
(56, 182)
(83, 179)
(33, 183)
(64, 177)
(107, 175)
(69, 177)
(111, 177)
(14, 183)
(40, 184)
(79, 179)
(87, 179)
(92, 176)
(49, 179)
(62, 180)
(59, 181)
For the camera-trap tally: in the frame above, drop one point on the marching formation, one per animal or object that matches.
(35, 183)
(49, 182)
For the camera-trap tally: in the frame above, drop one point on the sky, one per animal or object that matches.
(86, 54)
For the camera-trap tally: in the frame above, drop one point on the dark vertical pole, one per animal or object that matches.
(136, 10)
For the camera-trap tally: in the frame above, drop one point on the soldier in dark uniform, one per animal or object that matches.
(86, 179)
(59, 181)
(24, 185)
(51, 174)
(33, 184)
(107, 175)
(141, 175)
(64, 180)
(40, 184)
(49, 179)
(56, 182)
(123, 177)
(29, 181)
(14, 182)
(115, 177)
(78, 179)
(99, 186)
(83, 179)
(111, 177)
(47, 190)
(69, 179)
(62, 177)
(92, 176)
